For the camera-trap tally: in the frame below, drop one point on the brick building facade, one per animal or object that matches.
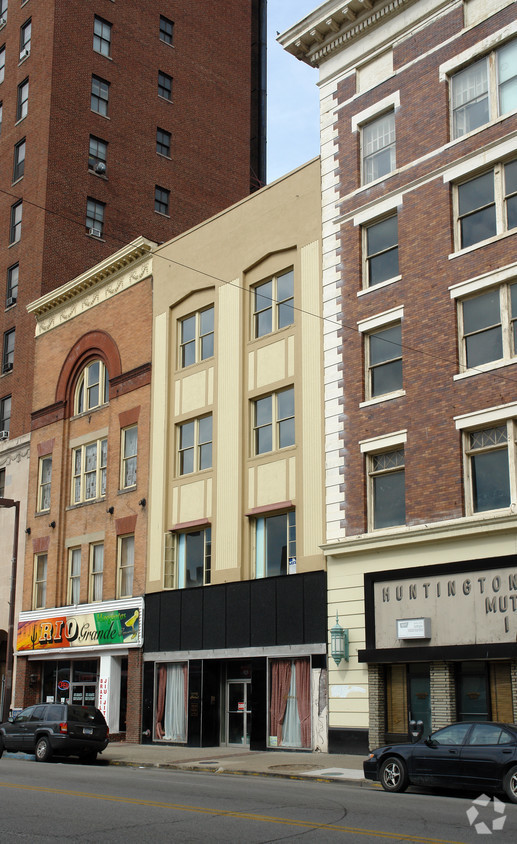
(419, 132)
(157, 123)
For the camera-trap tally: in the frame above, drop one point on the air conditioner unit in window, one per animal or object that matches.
(100, 168)
(11, 300)
(3, 22)
(4, 435)
(95, 232)
(24, 54)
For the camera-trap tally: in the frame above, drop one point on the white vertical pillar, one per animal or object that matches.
(109, 690)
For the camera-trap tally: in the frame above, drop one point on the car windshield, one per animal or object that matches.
(85, 713)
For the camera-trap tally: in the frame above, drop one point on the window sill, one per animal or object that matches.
(39, 513)
(195, 474)
(481, 243)
(165, 99)
(90, 410)
(162, 155)
(86, 503)
(385, 397)
(21, 119)
(267, 338)
(14, 243)
(192, 366)
(98, 175)
(101, 240)
(484, 367)
(105, 116)
(378, 286)
(161, 214)
(126, 489)
(274, 454)
(6, 372)
(104, 56)
(16, 181)
(24, 60)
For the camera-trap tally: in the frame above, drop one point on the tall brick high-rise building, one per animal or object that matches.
(118, 120)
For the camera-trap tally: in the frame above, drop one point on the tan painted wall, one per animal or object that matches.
(217, 263)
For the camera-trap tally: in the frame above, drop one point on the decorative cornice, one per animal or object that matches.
(103, 281)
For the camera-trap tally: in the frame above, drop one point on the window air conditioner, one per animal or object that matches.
(11, 300)
(24, 54)
(94, 232)
(4, 435)
(3, 22)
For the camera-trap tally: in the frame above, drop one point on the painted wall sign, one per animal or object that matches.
(91, 630)
(470, 607)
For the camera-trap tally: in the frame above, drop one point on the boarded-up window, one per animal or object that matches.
(396, 699)
(501, 692)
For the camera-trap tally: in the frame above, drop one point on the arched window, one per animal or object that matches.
(92, 388)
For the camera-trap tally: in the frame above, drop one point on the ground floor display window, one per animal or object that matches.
(484, 691)
(71, 681)
(290, 703)
(171, 697)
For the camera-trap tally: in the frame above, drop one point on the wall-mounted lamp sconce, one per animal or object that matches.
(339, 644)
(142, 502)
(110, 510)
(52, 524)
(28, 531)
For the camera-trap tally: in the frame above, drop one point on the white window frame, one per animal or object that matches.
(74, 577)
(181, 541)
(469, 452)
(96, 575)
(500, 199)
(197, 446)
(275, 422)
(102, 36)
(78, 491)
(125, 569)
(509, 349)
(271, 303)
(44, 486)
(371, 448)
(82, 400)
(197, 341)
(367, 284)
(127, 460)
(39, 593)
(367, 328)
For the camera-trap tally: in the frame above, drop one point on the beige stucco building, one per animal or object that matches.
(236, 588)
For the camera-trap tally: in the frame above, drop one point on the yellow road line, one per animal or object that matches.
(240, 815)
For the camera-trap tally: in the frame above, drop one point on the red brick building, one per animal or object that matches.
(79, 635)
(117, 120)
(419, 169)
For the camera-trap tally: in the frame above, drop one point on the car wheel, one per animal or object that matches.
(510, 784)
(43, 749)
(89, 756)
(394, 775)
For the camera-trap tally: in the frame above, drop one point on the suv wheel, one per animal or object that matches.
(43, 749)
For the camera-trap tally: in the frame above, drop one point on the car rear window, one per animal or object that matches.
(85, 713)
(55, 712)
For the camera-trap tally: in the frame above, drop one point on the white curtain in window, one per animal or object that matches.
(291, 730)
(175, 716)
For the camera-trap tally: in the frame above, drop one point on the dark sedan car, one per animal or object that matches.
(480, 755)
(59, 728)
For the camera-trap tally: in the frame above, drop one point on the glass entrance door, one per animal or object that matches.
(238, 712)
(84, 694)
(419, 688)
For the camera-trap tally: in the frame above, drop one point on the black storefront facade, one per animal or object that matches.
(220, 662)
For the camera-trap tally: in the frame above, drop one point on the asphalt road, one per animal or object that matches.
(71, 802)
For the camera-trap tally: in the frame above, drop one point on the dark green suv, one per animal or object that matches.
(56, 728)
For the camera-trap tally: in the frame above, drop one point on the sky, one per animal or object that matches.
(292, 94)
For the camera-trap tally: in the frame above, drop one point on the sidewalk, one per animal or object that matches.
(231, 760)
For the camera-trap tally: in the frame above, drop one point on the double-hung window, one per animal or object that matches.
(129, 456)
(484, 90)
(101, 36)
(97, 155)
(44, 482)
(96, 572)
(99, 99)
(275, 544)
(487, 205)
(386, 472)
(39, 594)
(273, 302)
(25, 39)
(15, 229)
(19, 160)
(126, 565)
(273, 421)
(194, 552)
(2, 63)
(89, 471)
(384, 361)
(22, 100)
(5, 413)
(166, 29)
(94, 217)
(488, 327)
(381, 249)
(195, 445)
(2, 483)
(74, 575)
(8, 350)
(196, 337)
(161, 200)
(13, 274)
(163, 142)
(92, 388)
(378, 147)
(164, 85)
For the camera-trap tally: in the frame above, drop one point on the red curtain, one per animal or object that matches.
(280, 682)
(303, 698)
(160, 707)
